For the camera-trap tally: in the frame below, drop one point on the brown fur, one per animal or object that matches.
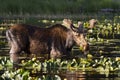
(55, 40)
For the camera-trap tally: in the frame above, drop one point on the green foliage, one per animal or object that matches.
(2, 43)
(101, 65)
(55, 6)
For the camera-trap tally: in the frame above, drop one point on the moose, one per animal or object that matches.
(57, 40)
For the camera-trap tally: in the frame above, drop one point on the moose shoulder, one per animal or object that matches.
(56, 40)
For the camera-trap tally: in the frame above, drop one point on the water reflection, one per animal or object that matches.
(87, 75)
(77, 75)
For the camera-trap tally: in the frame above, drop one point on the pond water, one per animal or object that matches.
(81, 75)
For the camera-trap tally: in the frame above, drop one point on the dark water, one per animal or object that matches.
(80, 75)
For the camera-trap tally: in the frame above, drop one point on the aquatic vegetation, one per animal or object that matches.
(28, 69)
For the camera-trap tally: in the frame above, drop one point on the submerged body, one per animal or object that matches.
(56, 40)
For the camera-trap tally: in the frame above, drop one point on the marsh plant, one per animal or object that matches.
(28, 69)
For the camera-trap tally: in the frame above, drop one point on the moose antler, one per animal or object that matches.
(81, 28)
(92, 23)
(67, 22)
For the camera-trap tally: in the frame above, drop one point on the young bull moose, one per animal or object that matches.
(56, 40)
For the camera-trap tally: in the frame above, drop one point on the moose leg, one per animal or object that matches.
(15, 48)
(14, 51)
(55, 53)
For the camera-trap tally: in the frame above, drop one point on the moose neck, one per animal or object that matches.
(70, 41)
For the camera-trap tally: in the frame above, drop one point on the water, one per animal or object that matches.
(81, 75)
